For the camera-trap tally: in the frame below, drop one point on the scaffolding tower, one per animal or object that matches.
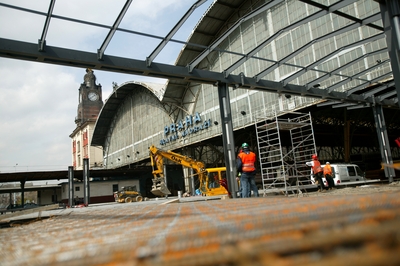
(284, 169)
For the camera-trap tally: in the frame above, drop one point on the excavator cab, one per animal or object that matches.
(216, 182)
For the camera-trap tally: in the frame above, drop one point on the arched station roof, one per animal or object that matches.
(107, 113)
(223, 17)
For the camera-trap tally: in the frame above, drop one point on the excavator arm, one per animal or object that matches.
(159, 188)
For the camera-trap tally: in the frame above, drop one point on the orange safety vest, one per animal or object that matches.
(317, 167)
(327, 170)
(248, 160)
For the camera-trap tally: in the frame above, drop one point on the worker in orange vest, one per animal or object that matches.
(317, 171)
(328, 175)
(246, 166)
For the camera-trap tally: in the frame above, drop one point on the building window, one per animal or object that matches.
(115, 187)
(77, 188)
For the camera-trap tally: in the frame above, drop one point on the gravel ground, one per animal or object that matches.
(358, 190)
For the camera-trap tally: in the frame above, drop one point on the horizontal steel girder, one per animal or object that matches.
(74, 58)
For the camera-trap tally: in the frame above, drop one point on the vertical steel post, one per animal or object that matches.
(70, 186)
(86, 186)
(227, 137)
(22, 193)
(165, 177)
(390, 10)
(383, 141)
(192, 186)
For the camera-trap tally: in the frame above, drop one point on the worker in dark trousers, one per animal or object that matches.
(317, 172)
(328, 176)
(246, 165)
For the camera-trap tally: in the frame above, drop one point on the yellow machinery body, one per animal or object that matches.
(209, 179)
(128, 194)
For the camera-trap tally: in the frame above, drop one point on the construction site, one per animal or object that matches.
(348, 226)
(291, 79)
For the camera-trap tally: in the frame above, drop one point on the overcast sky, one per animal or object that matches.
(38, 102)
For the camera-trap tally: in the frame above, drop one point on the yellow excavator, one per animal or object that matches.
(212, 181)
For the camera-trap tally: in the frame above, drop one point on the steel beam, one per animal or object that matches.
(42, 40)
(221, 38)
(86, 184)
(323, 59)
(61, 56)
(100, 51)
(383, 140)
(341, 68)
(227, 137)
(390, 10)
(307, 19)
(164, 42)
(361, 73)
(71, 186)
(347, 28)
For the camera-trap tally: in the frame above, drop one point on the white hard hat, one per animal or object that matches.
(327, 162)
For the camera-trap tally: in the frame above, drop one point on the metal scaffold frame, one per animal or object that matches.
(284, 169)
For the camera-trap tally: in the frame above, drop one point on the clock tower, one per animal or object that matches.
(89, 106)
(90, 99)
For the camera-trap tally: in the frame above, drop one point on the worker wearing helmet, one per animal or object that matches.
(328, 175)
(317, 171)
(246, 165)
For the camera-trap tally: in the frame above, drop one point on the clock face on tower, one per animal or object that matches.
(93, 96)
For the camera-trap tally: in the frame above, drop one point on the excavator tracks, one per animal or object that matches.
(321, 229)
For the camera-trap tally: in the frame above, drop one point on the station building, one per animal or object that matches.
(184, 116)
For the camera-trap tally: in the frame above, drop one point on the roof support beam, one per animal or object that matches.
(322, 38)
(100, 51)
(339, 13)
(67, 57)
(339, 69)
(365, 71)
(220, 39)
(310, 18)
(377, 90)
(42, 40)
(323, 59)
(390, 10)
(388, 94)
(164, 42)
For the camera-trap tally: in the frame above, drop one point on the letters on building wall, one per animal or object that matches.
(184, 127)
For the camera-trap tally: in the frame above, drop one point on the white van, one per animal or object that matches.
(344, 174)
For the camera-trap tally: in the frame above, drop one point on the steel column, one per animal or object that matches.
(86, 185)
(383, 141)
(390, 10)
(165, 177)
(227, 137)
(71, 186)
(22, 193)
